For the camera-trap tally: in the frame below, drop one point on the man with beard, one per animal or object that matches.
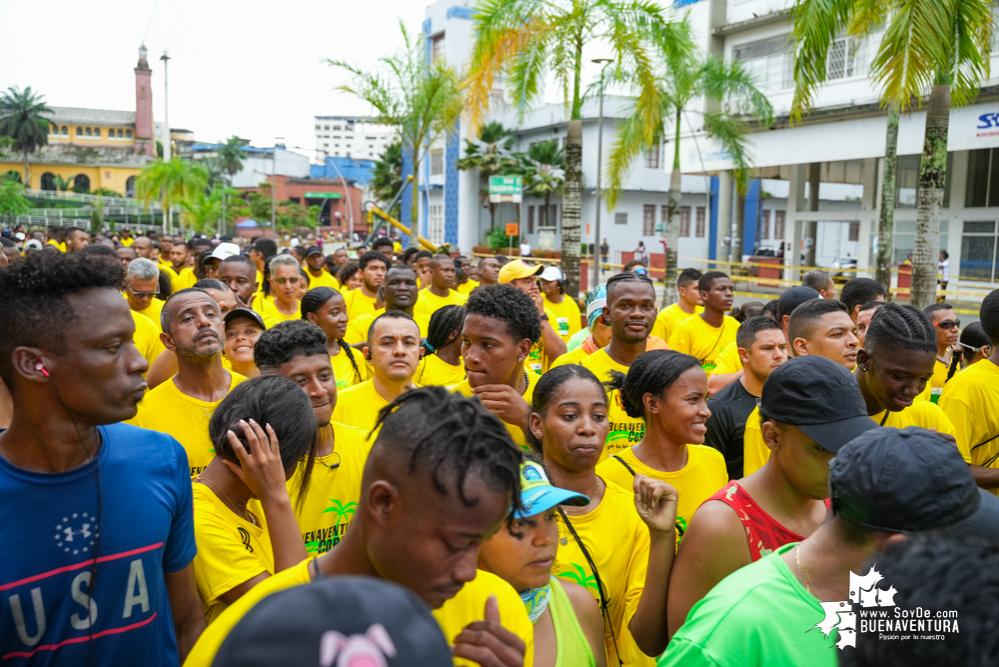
(183, 405)
(401, 293)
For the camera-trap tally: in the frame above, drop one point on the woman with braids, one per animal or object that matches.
(324, 307)
(260, 432)
(350, 277)
(669, 391)
(622, 556)
(441, 364)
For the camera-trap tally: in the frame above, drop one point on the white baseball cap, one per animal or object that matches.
(225, 250)
(551, 273)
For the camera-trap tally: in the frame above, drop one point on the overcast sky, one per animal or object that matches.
(250, 69)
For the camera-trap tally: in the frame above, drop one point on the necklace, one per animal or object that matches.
(805, 579)
(244, 514)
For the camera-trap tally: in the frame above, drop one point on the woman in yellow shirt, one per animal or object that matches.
(622, 556)
(669, 391)
(280, 302)
(568, 628)
(350, 277)
(242, 329)
(244, 523)
(325, 307)
(441, 364)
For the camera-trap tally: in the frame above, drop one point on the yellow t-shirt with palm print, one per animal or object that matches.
(625, 431)
(334, 490)
(343, 370)
(618, 543)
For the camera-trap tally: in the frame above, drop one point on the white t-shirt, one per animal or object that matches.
(525, 249)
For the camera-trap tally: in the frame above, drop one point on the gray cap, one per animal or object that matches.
(792, 298)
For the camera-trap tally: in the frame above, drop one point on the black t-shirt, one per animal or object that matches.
(730, 408)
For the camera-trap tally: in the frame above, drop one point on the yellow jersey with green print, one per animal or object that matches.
(516, 433)
(617, 542)
(938, 380)
(703, 476)
(971, 402)
(669, 318)
(537, 359)
(728, 361)
(565, 316)
(624, 431)
(699, 339)
(344, 372)
(466, 607)
(334, 490)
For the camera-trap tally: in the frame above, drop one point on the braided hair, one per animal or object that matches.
(315, 299)
(897, 327)
(653, 372)
(545, 390)
(453, 437)
(444, 329)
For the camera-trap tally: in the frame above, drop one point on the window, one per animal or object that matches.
(130, 187)
(652, 157)
(769, 61)
(684, 221)
(552, 218)
(437, 48)
(620, 218)
(119, 134)
(854, 231)
(648, 220)
(89, 132)
(79, 131)
(65, 131)
(779, 224)
(845, 58)
(435, 224)
(325, 127)
(336, 127)
(97, 131)
(765, 225)
(700, 222)
(983, 179)
(53, 129)
(437, 162)
(48, 181)
(530, 219)
(978, 251)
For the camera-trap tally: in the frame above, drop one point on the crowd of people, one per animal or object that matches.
(215, 453)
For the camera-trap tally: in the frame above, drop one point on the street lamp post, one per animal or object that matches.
(600, 147)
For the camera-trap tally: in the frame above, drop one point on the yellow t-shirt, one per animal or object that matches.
(182, 280)
(572, 357)
(669, 318)
(343, 370)
(359, 406)
(516, 433)
(624, 431)
(565, 318)
(126, 242)
(358, 304)
(58, 246)
(357, 329)
(152, 311)
(703, 476)
(618, 543)
(537, 360)
(435, 372)
(459, 611)
(467, 287)
(334, 490)
(265, 306)
(971, 402)
(324, 279)
(469, 606)
(147, 337)
(939, 379)
(167, 410)
(699, 339)
(428, 303)
(728, 361)
(921, 413)
(231, 549)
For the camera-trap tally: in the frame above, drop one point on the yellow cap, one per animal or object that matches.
(518, 268)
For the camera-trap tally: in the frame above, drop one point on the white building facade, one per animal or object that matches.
(351, 137)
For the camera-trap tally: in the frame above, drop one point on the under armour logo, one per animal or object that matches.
(76, 533)
(84, 532)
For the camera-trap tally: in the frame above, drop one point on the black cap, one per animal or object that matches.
(818, 396)
(237, 313)
(313, 250)
(792, 298)
(341, 616)
(902, 481)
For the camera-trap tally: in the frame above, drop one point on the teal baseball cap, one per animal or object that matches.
(537, 494)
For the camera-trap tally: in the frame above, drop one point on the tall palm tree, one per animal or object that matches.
(170, 182)
(935, 47)
(22, 117)
(529, 39)
(386, 177)
(231, 153)
(420, 99)
(490, 155)
(685, 77)
(543, 169)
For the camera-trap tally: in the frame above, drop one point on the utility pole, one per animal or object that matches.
(600, 148)
(166, 135)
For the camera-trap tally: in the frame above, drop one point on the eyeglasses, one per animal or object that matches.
(282, 281)
(141, 294)
(949, 324)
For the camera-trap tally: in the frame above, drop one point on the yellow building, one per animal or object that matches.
(97, 148)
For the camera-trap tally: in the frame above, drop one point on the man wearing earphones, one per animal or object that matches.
(565, 309)
(96, 514)
(393, 352)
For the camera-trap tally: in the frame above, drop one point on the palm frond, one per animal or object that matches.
(721, 80)
(973, 23)
(632, 139)
(913, 48)
(815, 23)
(731, 134)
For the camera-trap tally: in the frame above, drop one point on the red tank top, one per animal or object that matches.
(763, 532)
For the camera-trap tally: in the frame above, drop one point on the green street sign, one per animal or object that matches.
(505, 189)
(323, 195)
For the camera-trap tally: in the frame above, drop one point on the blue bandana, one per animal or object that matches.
(536, 601)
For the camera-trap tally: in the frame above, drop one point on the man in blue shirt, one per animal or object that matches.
(95, 516)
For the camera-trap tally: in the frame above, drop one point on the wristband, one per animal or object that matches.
(544, 318)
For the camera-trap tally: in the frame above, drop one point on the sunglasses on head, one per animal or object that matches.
(949, 324)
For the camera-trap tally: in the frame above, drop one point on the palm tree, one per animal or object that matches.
(420, 99)
(529, 39)
(170, 182)
(491, 156)
(386, 177)
(62, 184)
(684, 78)
(543, 170)
(22, 117)
(231, 154)
(201, 212)
(940, 47)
